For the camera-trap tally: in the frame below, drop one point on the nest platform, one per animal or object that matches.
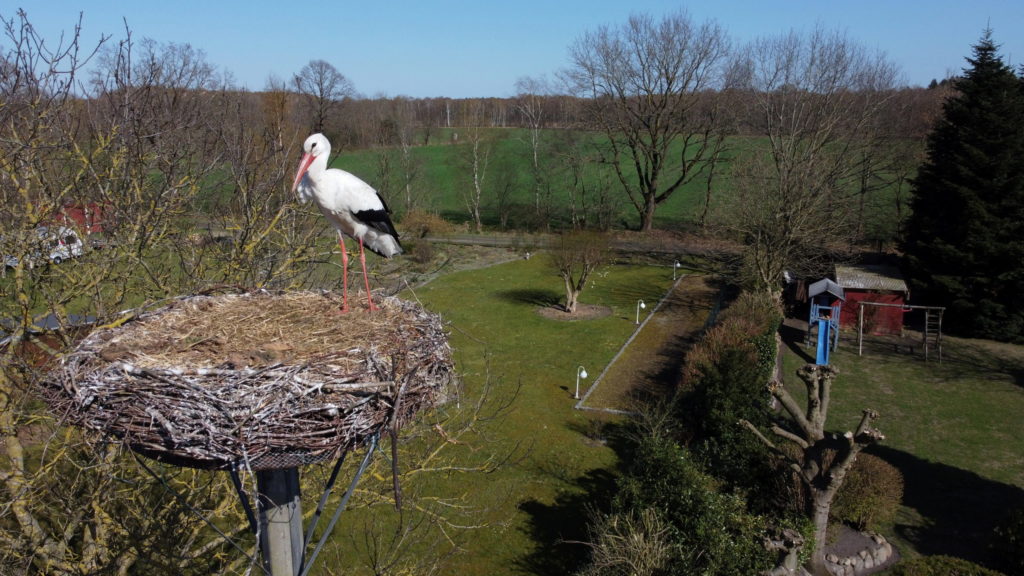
(261, 380)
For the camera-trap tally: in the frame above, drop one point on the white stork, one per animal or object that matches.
(351, 205)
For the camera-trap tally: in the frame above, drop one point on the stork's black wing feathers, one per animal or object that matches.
(378, 220)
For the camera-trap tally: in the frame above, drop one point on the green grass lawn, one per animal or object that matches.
(954, 429)
(498, 334)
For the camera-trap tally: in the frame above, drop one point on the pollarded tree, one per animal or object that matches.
(963, 247)
(822, 458)
(645, 84)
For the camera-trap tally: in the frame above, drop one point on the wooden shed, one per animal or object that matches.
(87, 218)
(880, 284)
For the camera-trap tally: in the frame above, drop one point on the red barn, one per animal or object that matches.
(873, 283)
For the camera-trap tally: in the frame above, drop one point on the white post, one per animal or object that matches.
(860, 330)
(281, 535)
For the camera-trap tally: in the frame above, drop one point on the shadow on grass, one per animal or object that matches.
(535, 296)
(967, 359)
(959, 508)
(664, 376)
(796, 340)
(560, 528)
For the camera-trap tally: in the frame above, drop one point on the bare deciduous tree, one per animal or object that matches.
(398, 167)
(644, 82)
(531, 93)
(475, 161)
(325, 88)
(143, 141)
(66, 510)
(575, 257)
(823, 458)
(817, 98)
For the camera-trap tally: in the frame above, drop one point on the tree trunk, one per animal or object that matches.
(571, 297)
(647, 216)
(822, 506)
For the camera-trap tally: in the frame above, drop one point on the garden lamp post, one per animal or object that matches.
(581, 372)
(639, 306)
(675, 267)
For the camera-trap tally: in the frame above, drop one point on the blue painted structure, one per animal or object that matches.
(826, 298)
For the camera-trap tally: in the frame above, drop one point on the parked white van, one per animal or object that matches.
(48, 244)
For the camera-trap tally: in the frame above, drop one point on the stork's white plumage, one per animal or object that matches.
(351, 205)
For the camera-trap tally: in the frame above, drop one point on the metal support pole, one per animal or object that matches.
(860, 330)
(280, 520)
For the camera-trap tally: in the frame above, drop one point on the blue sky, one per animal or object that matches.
(467, 48)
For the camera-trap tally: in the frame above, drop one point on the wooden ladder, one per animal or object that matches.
(933, 332)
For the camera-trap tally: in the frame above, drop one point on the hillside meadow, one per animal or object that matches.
(443, 176)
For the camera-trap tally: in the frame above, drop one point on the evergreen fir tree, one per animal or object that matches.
(965, 239)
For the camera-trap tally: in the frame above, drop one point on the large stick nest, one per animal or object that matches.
(259, 380)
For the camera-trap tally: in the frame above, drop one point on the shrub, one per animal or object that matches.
(635, 543)
(870, 495)
(1008, 543)
(749, 323)
(711, 532)
(422, 252)
(417, 224)
(940, 566)
(731, 390)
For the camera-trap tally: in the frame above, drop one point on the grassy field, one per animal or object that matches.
(442, 175)
(497, 334)
(952, 428)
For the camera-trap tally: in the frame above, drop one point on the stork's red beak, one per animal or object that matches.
(307, 159)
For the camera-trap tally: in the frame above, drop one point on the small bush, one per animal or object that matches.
(633, 542)
(417, 224)
(422, 252)
(940, 566)
(870, 495)
(1008, 543)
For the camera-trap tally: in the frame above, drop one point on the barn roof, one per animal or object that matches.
(871, 277)
(826, 286)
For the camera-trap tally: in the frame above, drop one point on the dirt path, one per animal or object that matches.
(650, 362)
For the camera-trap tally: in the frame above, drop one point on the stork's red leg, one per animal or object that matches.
(344, 274)
(362, 259)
